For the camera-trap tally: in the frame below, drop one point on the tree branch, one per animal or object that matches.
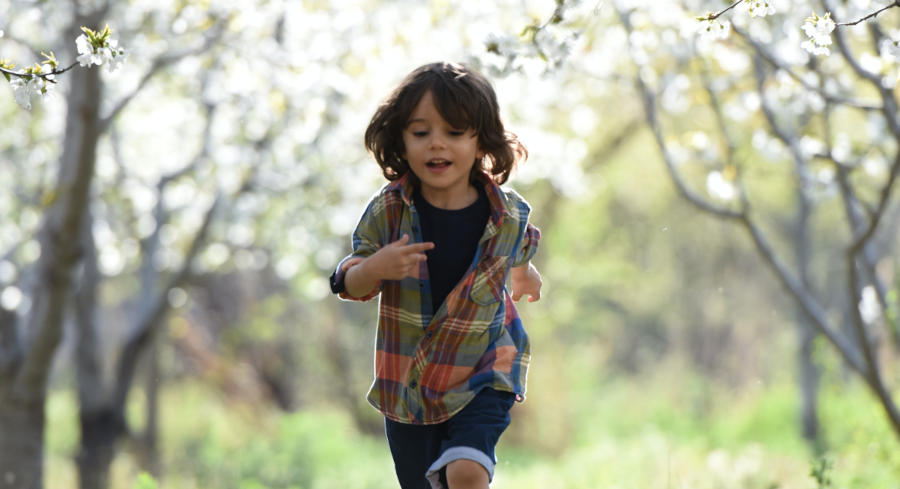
(807, 303)
(773, 60)
(795, 286)
(872, 371)
(865, 234)
(870, 16)
(39, 75)
(158, 65)
(154, 315)
(713, 16)
(650, 112)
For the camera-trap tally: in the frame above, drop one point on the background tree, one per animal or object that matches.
(863, 170)
(224, 189)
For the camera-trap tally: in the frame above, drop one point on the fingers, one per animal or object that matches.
(412, 248)
(418, 248)
(349, 263)
(533, 295)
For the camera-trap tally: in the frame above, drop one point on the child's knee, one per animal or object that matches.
(467, 474)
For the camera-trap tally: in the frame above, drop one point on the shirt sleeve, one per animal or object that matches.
(366, 240)
(528, 246)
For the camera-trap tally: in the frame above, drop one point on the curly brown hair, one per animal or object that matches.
(465, 99)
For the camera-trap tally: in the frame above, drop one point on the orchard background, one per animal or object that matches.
(715, 184)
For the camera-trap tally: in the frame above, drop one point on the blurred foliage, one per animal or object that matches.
(664, 350)
(644, 431)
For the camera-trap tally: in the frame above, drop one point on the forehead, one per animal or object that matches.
(433, 108)
(425, 109)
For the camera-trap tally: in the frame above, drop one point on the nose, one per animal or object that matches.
(436, 141)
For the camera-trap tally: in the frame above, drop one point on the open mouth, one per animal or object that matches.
(438, 164)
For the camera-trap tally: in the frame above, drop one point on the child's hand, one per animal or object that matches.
(525, 280)
(347, 265)
(396, 260)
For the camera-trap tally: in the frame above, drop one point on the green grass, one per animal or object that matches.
(660, 431)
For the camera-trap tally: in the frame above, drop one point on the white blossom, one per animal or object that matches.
(46, 68)
(27, 90)
(869, 308)
(720, 187)
(111, 53)
(818, 30)
(890, 47)
(85, 51)
(760, 8)
(501, 44)
(118, 57)
(715, 29)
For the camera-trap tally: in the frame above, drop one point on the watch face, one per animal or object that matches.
(336, 286)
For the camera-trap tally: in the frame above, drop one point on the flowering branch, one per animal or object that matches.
(716, 15)
(817, 29)
(94, 48)
(896, 3)
(8, 72)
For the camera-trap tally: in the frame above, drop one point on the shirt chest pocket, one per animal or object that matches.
(488, 282)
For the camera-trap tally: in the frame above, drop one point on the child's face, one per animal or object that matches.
(440, 155)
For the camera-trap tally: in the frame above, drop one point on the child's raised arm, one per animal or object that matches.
(393, 261)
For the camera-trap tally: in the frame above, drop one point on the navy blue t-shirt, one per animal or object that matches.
(455, 234)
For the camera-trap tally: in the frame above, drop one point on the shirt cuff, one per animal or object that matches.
(339, 287)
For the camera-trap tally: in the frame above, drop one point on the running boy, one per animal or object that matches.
(437, 243)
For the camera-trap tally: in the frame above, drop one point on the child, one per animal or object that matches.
(437, 243)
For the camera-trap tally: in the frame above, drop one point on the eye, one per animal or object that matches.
(420, 134)
(456, 132)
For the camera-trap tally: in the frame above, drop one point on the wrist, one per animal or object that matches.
(358, 278)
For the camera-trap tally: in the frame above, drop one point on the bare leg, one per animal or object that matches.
(466, 474)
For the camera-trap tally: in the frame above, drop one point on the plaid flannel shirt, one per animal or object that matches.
(428, 367)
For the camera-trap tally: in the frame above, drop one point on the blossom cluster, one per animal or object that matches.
(32, 83)
(715, 29)
(32, 86)
(96, 48)
(760, 8)
(818, 30)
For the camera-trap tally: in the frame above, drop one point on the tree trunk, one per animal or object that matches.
(101, 423)
(22, 440)
(150, 439)
(809, 376)
(809, 387)
(100, 429)
(23, 381)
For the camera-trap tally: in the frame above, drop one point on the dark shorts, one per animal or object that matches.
(421, 452)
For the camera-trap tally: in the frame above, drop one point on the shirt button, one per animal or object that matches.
(413, 384)
(428, 335)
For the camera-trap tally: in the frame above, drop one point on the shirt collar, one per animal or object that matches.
(496, 197)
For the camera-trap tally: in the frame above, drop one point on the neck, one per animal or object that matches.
(451, 200)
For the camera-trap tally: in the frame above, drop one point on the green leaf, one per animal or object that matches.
(145, 481)
(51, 59)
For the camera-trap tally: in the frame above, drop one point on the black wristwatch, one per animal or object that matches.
(337, 286)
